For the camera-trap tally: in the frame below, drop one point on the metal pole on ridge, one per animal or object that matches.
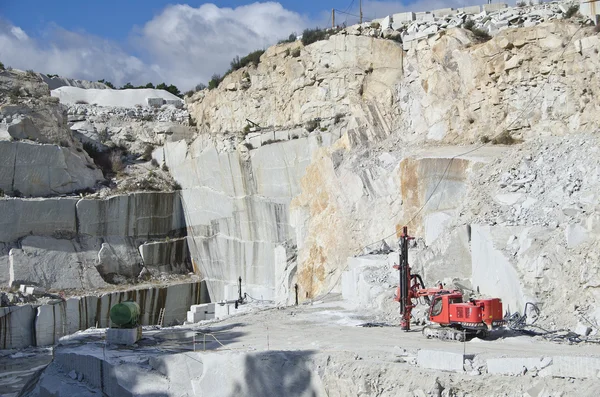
(361, 14)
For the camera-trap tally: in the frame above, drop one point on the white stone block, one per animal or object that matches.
(155, 101)
(443, 12)
(123, 336)
(385, 22)
(440, 360)
(513, 365)
(494, 7)
(425, 17)
(573, 367)
(282, 135)
(194, 317)
(472, 10)
(582, 329)
(576, 235)
(402, 17)
(223, 310)
(203, 308)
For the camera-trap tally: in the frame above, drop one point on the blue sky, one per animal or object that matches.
(142, 41)
(114, 19)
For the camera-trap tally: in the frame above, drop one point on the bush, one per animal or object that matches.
(116, 161)
(484, 139)
(169, 88)
(521, 4)
(107, 83)
(310, 36)
(338, 117)
(215, 81)
(480, 34)
(375, 25)
(312, 125)
(504, 138)
(296, 53)
(251, 59)
(30, 73)
(1, 66)
(154, 163)
(81, 102)
(292, 37)
(571, 11)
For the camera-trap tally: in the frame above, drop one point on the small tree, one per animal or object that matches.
(107, 83)
(127, 86)
(215, 81)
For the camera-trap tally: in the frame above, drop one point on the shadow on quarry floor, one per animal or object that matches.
(206, 338)
(277, 373)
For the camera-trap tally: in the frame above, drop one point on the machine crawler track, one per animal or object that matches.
(445, 333)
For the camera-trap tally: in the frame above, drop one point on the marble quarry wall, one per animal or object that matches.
(72, 243)
(43, 325)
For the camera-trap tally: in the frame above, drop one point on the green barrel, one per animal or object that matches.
(125, 314)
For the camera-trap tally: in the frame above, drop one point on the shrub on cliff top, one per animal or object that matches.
(1, 66)
(251, 59)
(480, 34)
(310, 36)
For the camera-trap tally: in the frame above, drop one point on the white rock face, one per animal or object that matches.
(39, 170)
(236, 207)
(107, 97)
(345, 74)
(58, 81)
(52, 263)
(41, 217)
(134, 215)
(94, 241)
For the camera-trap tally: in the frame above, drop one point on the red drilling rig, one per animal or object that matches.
(454, 318)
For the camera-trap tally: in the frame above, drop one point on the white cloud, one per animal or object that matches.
(72, 55)
(193, 43)
(182, 45)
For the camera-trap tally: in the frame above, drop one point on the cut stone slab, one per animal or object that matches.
(123, 336)
(194, 317)
(440, 360)
(573, 367)
(512, 365)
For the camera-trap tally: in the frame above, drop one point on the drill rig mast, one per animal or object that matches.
(455, 318)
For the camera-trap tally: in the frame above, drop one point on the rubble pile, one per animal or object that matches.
(489, 19)
(164, 113)
(551, 181)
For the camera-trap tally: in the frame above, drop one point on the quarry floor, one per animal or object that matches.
(380, 360)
